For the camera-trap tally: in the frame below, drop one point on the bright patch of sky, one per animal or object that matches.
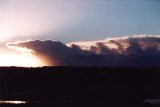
(76, 20)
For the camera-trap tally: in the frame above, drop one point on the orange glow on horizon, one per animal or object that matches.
(24, 58)
(20, 60)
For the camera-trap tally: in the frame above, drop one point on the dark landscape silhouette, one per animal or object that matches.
(80, 87)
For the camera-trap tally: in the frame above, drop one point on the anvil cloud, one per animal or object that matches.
(128, 51)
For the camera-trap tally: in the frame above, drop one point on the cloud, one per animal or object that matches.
(138, 50)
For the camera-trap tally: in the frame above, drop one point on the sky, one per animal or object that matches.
(53, 31)
(77, 20)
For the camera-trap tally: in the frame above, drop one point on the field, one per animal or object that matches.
(80, 87)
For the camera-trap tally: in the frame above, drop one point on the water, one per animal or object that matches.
(13, 102)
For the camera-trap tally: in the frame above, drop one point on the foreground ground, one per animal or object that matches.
(80, 86)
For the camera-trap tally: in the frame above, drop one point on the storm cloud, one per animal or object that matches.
(129, 51)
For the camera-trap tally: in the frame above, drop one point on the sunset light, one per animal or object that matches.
(6, 35)
(79, 53)
(70, 32)
(19, 60)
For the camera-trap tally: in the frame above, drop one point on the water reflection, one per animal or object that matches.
(13, 102)
(153, 101)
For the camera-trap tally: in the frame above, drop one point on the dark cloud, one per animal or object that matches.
(127, 51)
